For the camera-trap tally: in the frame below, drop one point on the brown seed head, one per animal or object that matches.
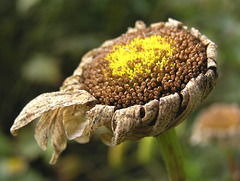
(187, 61)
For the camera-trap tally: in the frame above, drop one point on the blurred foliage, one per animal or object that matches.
(42, 42)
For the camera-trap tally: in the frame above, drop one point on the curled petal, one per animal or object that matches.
(174, 23)
(212, 51)
(58, 138)
(74, 121)
(168, 110)
(123, 122)
(211, 76)
(195, 32)
(52, 108)
(140, 25)
(205, 40)
(43, 127)
(47, 102)
(98, 116)
(149, 111)
(148, 114)
(131, 123)
(192, 95)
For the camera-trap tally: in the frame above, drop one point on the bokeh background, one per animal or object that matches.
(42, 42)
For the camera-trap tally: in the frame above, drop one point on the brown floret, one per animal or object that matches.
(189, 57)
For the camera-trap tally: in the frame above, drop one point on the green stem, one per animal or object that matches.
(231, 163)
(172, 155)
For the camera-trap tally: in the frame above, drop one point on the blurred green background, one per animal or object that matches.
(42, 42)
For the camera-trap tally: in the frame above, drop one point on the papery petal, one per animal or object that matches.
(47, 102)
(148, 114)
(98, 116)
(123, 122)
(133, 123)
(168, 109)
(74, 118)
(58, 137)
(43, 127)
(74, 121)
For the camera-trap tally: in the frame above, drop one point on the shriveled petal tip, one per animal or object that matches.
(47, 102)
(212, 51)
(58, 139)
(174, 23)
(43, 127)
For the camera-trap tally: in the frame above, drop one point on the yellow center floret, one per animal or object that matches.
(140, 56)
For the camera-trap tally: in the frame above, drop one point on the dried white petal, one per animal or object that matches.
(47, 102)
(192, 96)
(147, 116)
(98, 116)
(212, 51)
(168, 109)
(150, 112)
(211, 77)
(74, 120)
(159, 24)
(43, 127)
(58, 138)
(174, 23)
(205, 40)
(195, 32)
(140, 25)
(123, 122)
(211, 64)
(127, 123)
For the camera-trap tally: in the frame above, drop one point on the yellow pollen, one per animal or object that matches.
(140, 56)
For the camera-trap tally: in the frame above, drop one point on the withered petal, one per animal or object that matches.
(43, 127)
(212, 51)
(123, 122)
(47, 102)
(148, 115)
(192, 96)
(74, 121)
(95, 118)
(168, 110)
(99, 115)
(58, 137)
(126, 122)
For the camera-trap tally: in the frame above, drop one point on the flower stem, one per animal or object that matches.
(172, 155)
(232, 163)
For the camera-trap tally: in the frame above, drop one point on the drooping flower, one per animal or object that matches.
(139, 84)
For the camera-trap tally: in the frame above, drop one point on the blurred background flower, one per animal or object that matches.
(220, 124)
(41, 43)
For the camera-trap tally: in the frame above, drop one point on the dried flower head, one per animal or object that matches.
(220, 122)
(139, 84)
